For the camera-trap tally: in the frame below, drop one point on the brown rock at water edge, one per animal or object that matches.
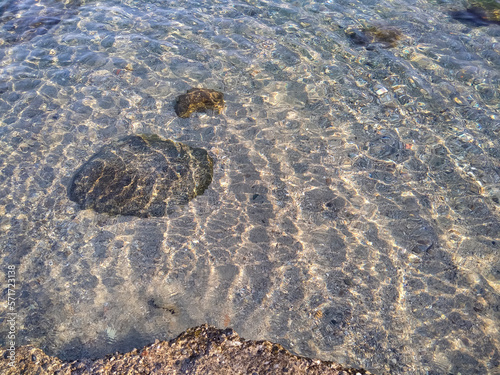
(199, 350)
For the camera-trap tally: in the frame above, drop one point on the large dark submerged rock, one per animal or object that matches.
(199, 350)
(141, 175)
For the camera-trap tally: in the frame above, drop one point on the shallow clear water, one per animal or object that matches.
(354, 213)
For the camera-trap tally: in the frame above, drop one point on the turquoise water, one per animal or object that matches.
(354, 210)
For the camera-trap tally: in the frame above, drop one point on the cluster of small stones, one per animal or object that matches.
(199, 350)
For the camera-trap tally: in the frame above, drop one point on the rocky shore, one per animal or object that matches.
(200, 350)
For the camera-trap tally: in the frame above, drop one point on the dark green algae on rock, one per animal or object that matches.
(141, 175)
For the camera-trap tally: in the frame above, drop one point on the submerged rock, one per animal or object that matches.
(141, 175)
(369, 36)
(197, 99)
(21, 21)
(199, 350)
(476, 16)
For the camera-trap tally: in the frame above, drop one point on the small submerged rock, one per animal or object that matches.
(369, 36)
(141, 175)
(477, 16)
(21, 21)
(197, 99)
